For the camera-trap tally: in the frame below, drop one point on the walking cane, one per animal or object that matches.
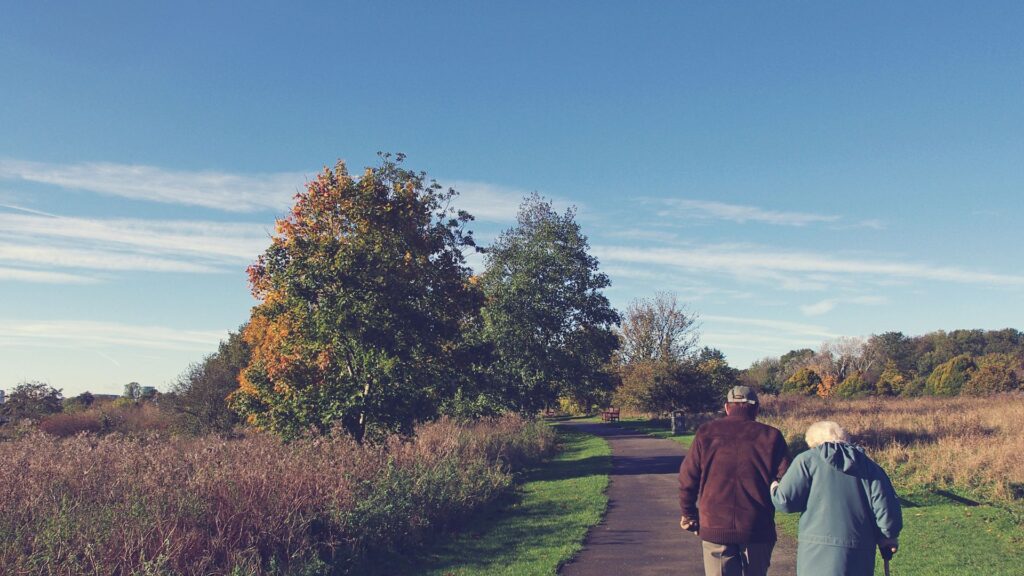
(886, 553)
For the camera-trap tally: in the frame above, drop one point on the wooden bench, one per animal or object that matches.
(610, 415)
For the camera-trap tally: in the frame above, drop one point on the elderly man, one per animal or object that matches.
(848, 504)
(723, 488)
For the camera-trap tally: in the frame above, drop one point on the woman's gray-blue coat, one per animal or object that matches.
(848, 505)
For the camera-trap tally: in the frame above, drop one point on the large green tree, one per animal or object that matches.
(363, 294)
(546, 314)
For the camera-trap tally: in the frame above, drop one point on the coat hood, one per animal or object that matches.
(847, 458)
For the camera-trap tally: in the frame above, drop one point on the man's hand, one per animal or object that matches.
(688, 524)
(775, 484)
(888, 546)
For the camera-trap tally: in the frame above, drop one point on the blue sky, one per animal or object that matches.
(794, 172)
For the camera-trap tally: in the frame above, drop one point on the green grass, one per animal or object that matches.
(541, 527)
(942, 536)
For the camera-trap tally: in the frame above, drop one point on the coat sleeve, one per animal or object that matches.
(794, 488)
(781, 456)
(689, 479)
(885, 504)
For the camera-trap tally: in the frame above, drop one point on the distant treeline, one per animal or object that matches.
(970, 362)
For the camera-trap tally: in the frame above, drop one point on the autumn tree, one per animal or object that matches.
(363, 292)
(804, 381)
(995, 373)
(546, 313)
(659, 365)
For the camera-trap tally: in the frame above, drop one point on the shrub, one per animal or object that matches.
(804, 381)
(996, 373)
(949, 377)
(127, 418)
(31, 400)
(254, 505)
(854, 386)
(71, 423)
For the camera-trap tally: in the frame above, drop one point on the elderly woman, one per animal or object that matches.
(848, 505)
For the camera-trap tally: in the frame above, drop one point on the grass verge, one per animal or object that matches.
(541, 527)
(944, 536)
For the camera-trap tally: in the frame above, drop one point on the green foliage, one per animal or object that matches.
(697, 384)
(949, 377)
(894, 364)
(545, 312)
(132, 391)
(995, 373)
(804, 381)
(81, 402)
(764, 375)
(892, 381)
(653, 386)
(199, 397)
(32, 400)
(854, 386)
(364, 295)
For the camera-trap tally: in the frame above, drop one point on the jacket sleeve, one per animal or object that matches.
(886, 505)
(689, 480)
(794, 488)
(781, 456)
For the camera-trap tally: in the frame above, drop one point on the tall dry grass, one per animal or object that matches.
(974, 444)
(121, 505)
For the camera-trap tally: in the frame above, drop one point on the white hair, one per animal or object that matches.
(825, 431)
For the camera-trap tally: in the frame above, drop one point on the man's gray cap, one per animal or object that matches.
(741, 395)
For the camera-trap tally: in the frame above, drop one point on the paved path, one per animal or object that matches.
(640, 534)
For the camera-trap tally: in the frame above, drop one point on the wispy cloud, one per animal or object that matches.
(827, 305)
(776, 326)
(755, 262)
(489, 202)
(82, 333)
(707, 209)
(95, 259)
(228, 240)
(40, 244)
(225, 191)
(761, 335)
(43, 276)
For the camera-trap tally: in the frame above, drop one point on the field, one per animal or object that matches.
(971, 446)
(957, 463)
(182, 505)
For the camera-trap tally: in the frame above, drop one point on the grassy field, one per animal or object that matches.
(541, 527)
(956, 464)
(944, 537)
